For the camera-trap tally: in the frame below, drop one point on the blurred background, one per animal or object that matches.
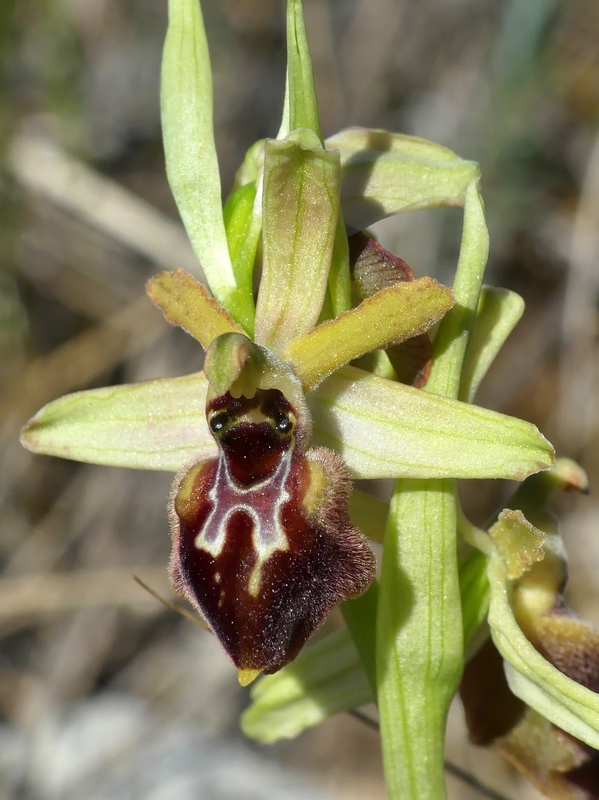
(104, 693)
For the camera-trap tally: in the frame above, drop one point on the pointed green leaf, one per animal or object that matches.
(534, 680)
(187, 303)
(301, 93)
(299, 212)
(324, 679)
(385, 429)
(496, 316)
(384, 173)
(390, 316)
(157, 424)
(191, 162)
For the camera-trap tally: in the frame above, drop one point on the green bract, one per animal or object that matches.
(280, 362)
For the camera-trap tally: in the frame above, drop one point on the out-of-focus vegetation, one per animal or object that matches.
(104, 693)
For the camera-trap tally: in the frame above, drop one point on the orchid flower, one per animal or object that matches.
(326, 374)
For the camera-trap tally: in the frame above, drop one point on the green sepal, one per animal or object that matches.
(300, 205)
(384, 429)
(385, 173)
(157, 424)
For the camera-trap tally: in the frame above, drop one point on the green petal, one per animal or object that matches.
(324, 679)
(385, 429)
(187, 303)
(299, 212)
(390, 316)
(384, 173)
(497, 314)
(534, 680)
(157, 424)
(191, 162)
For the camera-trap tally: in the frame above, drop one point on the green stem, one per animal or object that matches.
(420, 647)
(419, 637)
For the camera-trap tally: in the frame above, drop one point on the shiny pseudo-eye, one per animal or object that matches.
(262, 542)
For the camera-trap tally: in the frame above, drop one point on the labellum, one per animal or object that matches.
(262, 541)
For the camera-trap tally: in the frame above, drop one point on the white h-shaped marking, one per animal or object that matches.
(268, 534)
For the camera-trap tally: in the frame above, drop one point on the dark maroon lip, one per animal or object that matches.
(262, 564)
